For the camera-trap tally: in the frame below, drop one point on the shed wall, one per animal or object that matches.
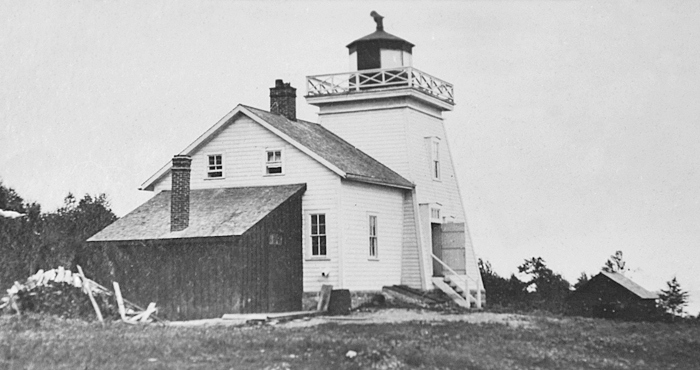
(208, 277)
(602, 297)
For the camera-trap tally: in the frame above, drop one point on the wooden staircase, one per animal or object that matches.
(457, 287)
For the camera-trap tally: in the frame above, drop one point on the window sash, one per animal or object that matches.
(373, 239)
(215, 168)
(436, 160)
(318, 235)
(273, 162)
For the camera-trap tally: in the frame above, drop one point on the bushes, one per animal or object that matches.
(46, 240)
(546, 290)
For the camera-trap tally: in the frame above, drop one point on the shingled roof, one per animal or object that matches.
(323, 145)
(630, 285)
(213, 212)
(356, 164)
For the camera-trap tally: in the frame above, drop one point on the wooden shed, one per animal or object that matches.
(240, 253)
(612, 295)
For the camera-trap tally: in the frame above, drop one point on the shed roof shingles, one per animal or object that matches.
(630, 285)
(213, 212)
(358, 165)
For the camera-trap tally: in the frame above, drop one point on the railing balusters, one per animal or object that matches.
(342, 83)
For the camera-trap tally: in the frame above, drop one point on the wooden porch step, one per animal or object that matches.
(447, 289)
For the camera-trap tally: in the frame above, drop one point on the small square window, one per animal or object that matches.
(275, 239)
(273, 162)
(215, 167)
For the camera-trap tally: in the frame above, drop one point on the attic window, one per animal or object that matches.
(215, 168)
(273, 162)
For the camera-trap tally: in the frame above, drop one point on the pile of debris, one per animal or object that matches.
(63, 293)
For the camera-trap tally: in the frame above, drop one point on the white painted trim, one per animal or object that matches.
(396, 105)
(432, 142)
(223, 166)
(308, 246)
(421, 245)
(380, 94)
(376, 215)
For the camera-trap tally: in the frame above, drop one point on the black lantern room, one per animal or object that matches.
(379, 50)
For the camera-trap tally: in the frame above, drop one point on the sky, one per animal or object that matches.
(575, 131)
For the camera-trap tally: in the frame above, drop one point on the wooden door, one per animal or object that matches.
(453, 246)
(436, 233)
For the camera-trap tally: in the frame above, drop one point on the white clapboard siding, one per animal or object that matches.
(379, 133)
(242, 144)
(359, 201)
(445, 191)
(398, 133)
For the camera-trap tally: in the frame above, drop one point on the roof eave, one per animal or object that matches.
(358, 178)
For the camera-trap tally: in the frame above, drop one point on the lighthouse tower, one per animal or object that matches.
(393, 112)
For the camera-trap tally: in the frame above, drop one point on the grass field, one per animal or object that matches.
(42, 342)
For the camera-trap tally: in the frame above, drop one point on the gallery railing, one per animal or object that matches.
(349, 82)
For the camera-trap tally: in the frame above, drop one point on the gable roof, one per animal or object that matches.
(213, 212)
(313, 139)
(629, 285)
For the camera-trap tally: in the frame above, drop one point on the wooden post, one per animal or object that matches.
(120, 300)
(86, 283)
(478, 295)
(324, 298)
(468, 292)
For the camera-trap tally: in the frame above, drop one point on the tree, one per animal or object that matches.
(550, 288)
(508, 293)
(583, 279)
(65, 231)
(673, 299)
(615, 263)
(18, 236)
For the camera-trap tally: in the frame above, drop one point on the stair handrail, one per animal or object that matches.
(466, 283)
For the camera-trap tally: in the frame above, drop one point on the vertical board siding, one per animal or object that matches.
(359, 200)
(242, 144)
(172, 274)
(410, 254)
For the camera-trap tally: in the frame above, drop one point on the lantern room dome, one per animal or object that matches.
(379, 50)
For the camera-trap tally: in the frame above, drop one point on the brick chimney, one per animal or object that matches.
(180, 194)
(283, 100)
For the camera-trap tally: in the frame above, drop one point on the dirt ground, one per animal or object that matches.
(389, 315)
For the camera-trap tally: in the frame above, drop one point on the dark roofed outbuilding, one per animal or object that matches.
(612, 295)
(241, 253)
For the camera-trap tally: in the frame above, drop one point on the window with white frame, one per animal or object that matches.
(435, 214)
(373, 240)
(273, 162)
(215, 167)
(435, 158)
(318, 235)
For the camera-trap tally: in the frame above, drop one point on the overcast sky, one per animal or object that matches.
(575, 131)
